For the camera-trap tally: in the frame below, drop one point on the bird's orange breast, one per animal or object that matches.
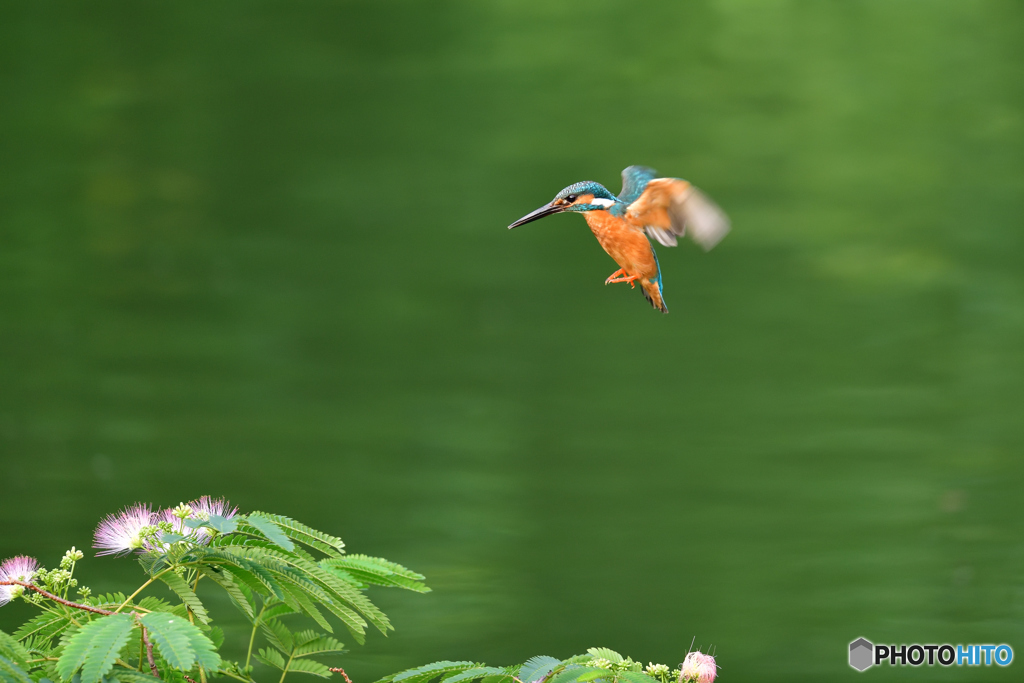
(625, 243)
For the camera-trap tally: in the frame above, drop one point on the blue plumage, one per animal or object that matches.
(634, 181)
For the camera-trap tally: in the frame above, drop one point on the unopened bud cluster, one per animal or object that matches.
(626, 664)
(662, 673)
(659, 671)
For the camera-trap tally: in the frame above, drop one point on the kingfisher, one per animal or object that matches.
(648, 208)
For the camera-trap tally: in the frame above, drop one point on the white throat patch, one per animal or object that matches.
(602, 202)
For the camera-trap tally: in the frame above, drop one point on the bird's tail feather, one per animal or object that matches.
(652, 292)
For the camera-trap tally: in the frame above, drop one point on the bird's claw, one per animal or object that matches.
(620, 276)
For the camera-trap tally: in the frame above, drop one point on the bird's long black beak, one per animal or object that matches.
(545, 210)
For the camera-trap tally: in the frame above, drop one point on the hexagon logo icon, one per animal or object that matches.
(861, 654)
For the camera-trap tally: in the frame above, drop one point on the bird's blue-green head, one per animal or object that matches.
(578, 197)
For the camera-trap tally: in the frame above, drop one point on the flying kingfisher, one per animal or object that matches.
(660, 207)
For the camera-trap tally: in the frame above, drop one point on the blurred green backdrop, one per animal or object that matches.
(259, 250)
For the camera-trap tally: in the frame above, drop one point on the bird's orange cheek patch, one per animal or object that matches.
(584, 199)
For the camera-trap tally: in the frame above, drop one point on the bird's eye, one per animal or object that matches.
(571, 198)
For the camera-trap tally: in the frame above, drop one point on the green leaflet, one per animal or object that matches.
(378, 571)
(13, 660)
(46, 625)
(216, 636)
(309, 666)
(181, 643)
(427, 672)
(184, 591)
(130, 676)
(227, 582)
(271, 530)
(346, 592)
(297, 531)
(321, 645)
(248, 572)
(11, 672)
(222, 525)
(635, 677)
(277, 610)
(270, 658)
(108, 599)
(289, 576)
(537, 668)
(278, 635)
(577, 659)
(13, 650)
(477, 672)
(309, 608)
(154, 604)
(574, 671)
(94, 647)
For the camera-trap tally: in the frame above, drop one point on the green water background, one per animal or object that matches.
(258, 250)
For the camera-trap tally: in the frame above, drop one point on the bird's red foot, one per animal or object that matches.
(611, 278)
(620, 276)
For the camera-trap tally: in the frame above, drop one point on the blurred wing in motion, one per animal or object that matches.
(634, 180)
(669, 207)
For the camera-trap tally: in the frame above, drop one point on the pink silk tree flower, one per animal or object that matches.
(120, 533)
(20, 568)
(699, 667)
(206, 506)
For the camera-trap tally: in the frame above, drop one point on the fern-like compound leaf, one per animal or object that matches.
(428, 672)
(309, 666)
(309, 608)
(271, 530)
(635, 677)
(12, 672)
(46, 625)
(604, 653)
(184, 591)
(319, 646)
(573, 672)
(13, 650)
(297, 531)
(278, 635)
(181, 643)
(536, 668)
(221, 524)
(154, 604)
(476, 673)
(378, 571)
(94, 647)
(130, 676)
(276, 610)
(345, 591)
(245, 569)
(270, 657)
(227, 582)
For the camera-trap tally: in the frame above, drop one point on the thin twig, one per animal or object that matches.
(55, 598)
(141, 588)
(149, 653)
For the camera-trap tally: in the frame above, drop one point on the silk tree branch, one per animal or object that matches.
(55, 598)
